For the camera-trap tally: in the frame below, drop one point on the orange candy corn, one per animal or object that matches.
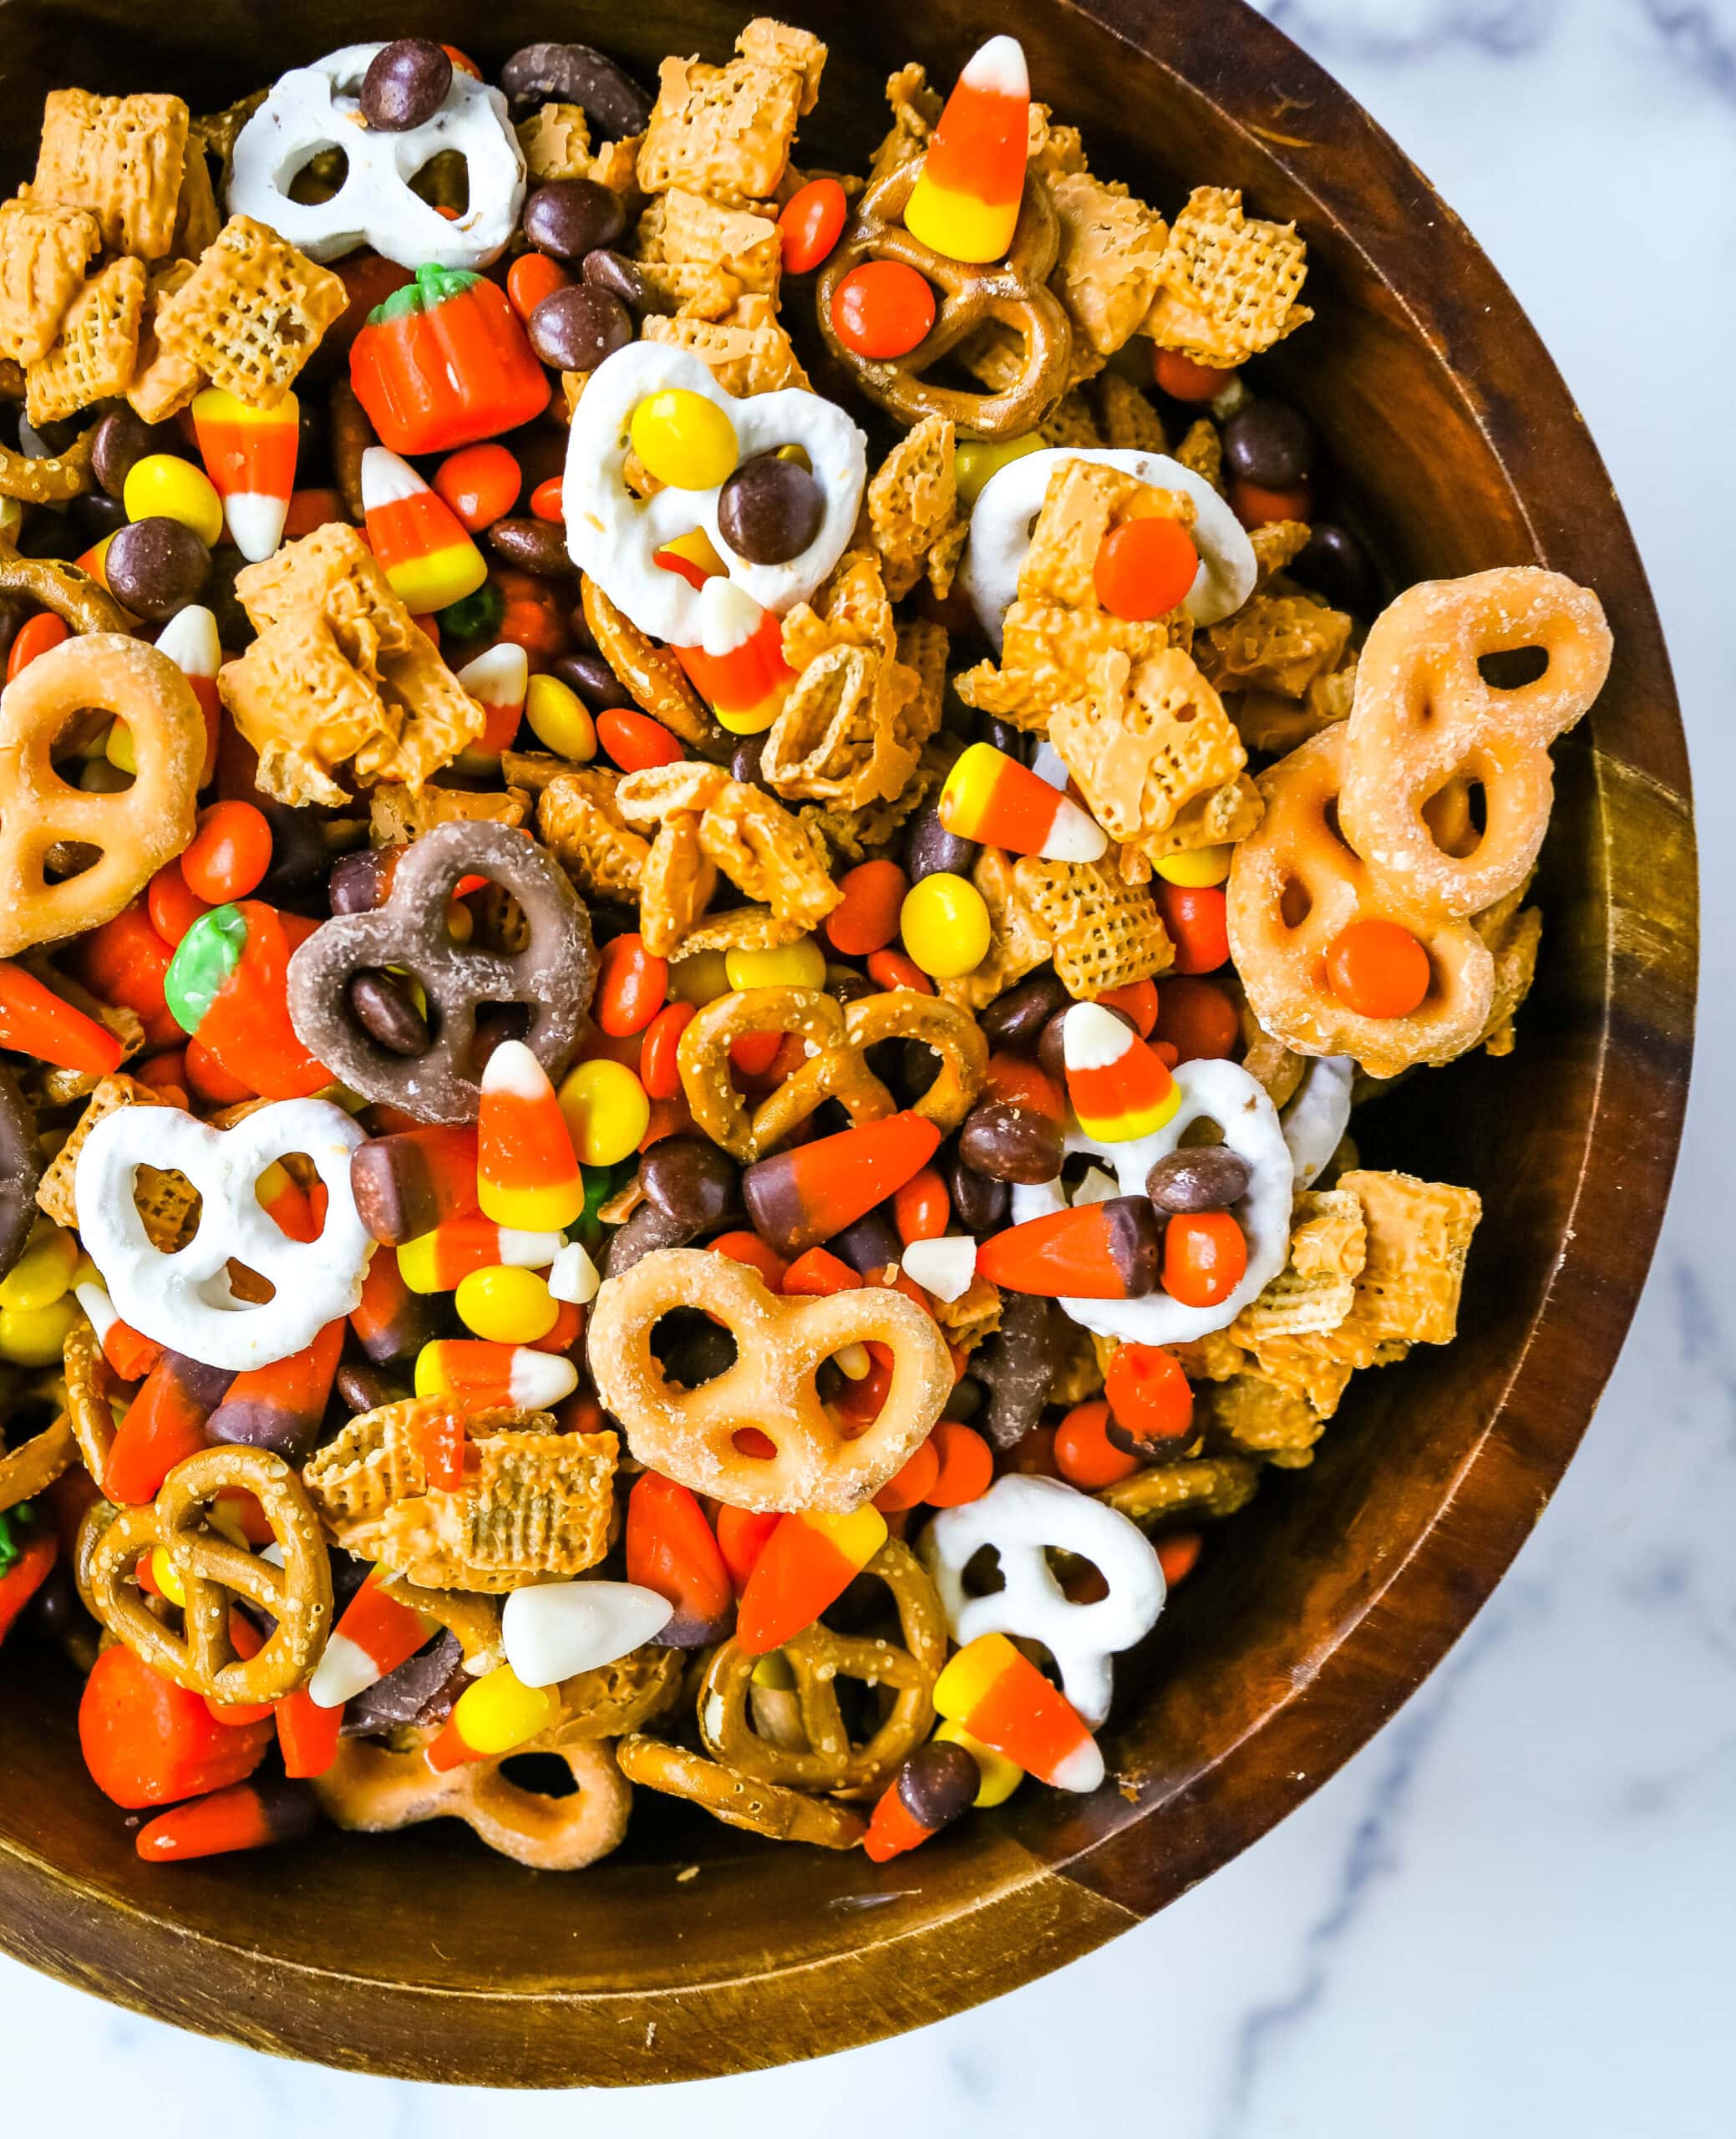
(308, 1734)
(991, 797)
(739, 669)
(965, 202)
(527, 1176)
(131, 1355)
(429, 560)
(1107, 1251)
(999, 1695)
(798, 1198)
(498, 681)
(247, 1816)
(164, 1424)
(482, 1375)
(406, 1184)
(250, 455)
(1119, 1088)
(670, 1549)
(435, 1261)
(807, 1564)
(282, 1406)
(937, 1782)
(189, 640)
(376, 1633)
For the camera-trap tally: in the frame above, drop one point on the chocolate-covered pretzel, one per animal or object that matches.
(21, 1162)
(552, 976)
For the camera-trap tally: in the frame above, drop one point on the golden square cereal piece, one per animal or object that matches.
(922, 645)
(1153, 750)
(537, 1504)
(1306, 1370)
(1229, 284)
(1513, 936)
(1105, 931)
(1317, 1288)
(121, 157)
(1259, 1417)
(767, 43)
(1276, 543)
(768, 855)
(1071, 422)
(616, 165)
(1078, 1371)
(675, 887)
(1054, 152)
(97, 349)
(1126, 415)
(374, 1463)
(1084, 500)
(397, 816)
(1419, 1233)
(975, 1314)
(1112, 248)
(578, 821)
(912, 502)
(685, 228)
(915, 112)
(440, 716)
(725, 131)
(555, 140)
(1201, 452)
(855, 833)
(850, 609)
(689, 289)
(44, 249)
(1279, 642)
(162, 383)
(303, 706)
(834, 740)
(1017, 940)
(741, 928)
(166, 1200)
(683, 788)
(747, 353)
(252, 312)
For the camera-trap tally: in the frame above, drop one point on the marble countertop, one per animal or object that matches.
(1512, 1911)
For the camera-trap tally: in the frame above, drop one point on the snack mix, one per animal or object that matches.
(699, 859)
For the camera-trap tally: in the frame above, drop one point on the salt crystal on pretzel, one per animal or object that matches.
(186, 1299)
(1021, 1520)
(316, 107)
(613, 535)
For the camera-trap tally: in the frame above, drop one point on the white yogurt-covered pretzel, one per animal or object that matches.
(1222, 1092)
(1012, 498)
(184, 1299)
(611, 535)
(1020, 1517)
(314, 108)
(1317, 1114)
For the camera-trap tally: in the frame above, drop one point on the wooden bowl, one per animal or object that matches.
(1326, 1604)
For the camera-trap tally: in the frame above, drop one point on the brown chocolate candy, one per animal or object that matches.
(20, 1169)
(553, 976)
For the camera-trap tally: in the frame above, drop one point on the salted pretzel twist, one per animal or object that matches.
(837, 1068)
(740, 1801)
(826, 1758)
(1014, 290)
(214, 1573)
(699, 1436)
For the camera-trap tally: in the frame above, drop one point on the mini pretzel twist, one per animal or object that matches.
(837, 1067)
(32, 1466)
(214, 1573)
(696, 1436)
(1014, 290)
(740, 1801)
(827, 1758)
(1424, 720)
(134, 832)
(371, 1789)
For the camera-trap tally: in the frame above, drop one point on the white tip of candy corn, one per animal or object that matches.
(944, 1267)
(255, 523)
(345, 1670)
(540, 1378)
(189, 640)
(1092, 1038)
(998, 69)
(513, 1068)
(386, 479)
(1075, 835)
(729, 616)
(1082, 1770)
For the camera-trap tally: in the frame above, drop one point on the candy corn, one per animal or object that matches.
(965, 202)
(250, 455)
(692, 556)
(554, 1630)
(1119, 1087)
(391, 1322)
(1106, 1251)
(526, 1174)
(308, 1734)
(35, 1020)
(937, 1782)
(406, 1184)
(281, 1407)
(164, 1423)
(482, 1375)
(991, 797)
(490, 1718)
(189, 640)
(435, 1261)
(739, 668)
(670, 1549)
(429, 560)
(498, 681)
(247, 1816)
(807, 1564)
(377, 1632)
(131, 1355)
(1001, 1697)
(798, 1198)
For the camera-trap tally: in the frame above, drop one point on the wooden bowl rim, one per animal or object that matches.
(1039, 1916)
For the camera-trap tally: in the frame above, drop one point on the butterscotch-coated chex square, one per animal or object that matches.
(297, 698)
(1152, 748)
(725, 131)
(97, 349)
(162, 382)
(1104, 931)
(1259, 1417)
(579, 822)
(252, 312)
(684, 228)
(44, 249)
(1513, 931)
(397, 814)
(1017, 943)
(1231, 281)
(1126, 415)
(746, 353)
(1317, 1288)
(537, 1504)
(1275, 641)
(121, 157)
(1112, 247)
(675, 887)
(768, 855)
(912, 502)
(555, 140)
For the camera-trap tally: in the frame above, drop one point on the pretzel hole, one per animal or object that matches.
(757, 1447)
(540, 1775)
(911, 1067)
(1200, 1130)
(1295, 903)
(691, 1349)
(247, 1285)
(319, 176)
(1513, 667)
(1457, 815)
(444, 181)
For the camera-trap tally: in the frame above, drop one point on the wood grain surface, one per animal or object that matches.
(1327, 1602)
